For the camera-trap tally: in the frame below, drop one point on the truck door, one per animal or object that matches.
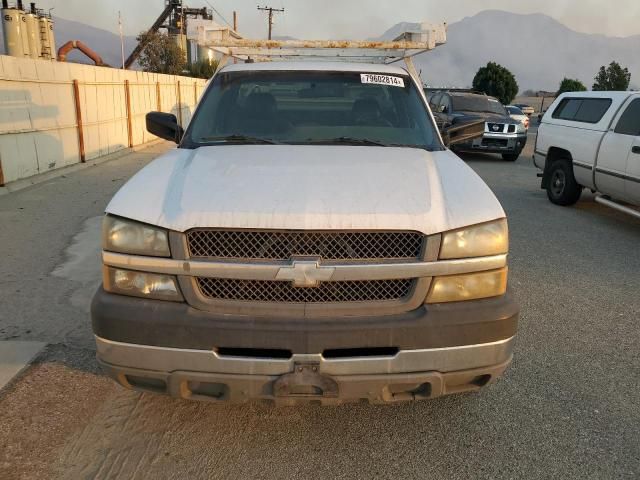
(629, 126)
(611, 166)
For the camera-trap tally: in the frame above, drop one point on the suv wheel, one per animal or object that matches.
(510, 157)
(562, 188)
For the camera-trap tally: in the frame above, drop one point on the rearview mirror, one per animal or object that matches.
(164, 125)
(461, 133)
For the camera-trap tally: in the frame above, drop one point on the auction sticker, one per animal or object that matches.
(381, 79)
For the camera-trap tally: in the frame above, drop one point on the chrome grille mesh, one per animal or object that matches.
(286, 292)
(283, 245)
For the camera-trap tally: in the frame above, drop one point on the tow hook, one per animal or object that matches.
(305, 381)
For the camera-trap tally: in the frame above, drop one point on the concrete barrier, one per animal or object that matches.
(55, 114)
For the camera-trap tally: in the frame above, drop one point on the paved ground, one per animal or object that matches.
(568, 407)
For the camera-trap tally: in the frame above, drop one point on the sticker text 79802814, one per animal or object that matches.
(382, 79)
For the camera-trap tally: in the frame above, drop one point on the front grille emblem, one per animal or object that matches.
(305, 273)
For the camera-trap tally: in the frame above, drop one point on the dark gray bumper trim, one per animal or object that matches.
(167, 324)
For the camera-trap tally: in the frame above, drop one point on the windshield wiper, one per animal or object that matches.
(348, 140)
(240, 139)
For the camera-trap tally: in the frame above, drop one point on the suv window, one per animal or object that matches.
(311, 107)
(435, 100)
(629, 123)
(585, 110)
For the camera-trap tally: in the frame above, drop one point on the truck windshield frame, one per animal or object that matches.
(300, 107)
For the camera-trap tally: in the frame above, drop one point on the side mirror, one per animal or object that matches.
(443, 109)
(164, 125)
(461, 133)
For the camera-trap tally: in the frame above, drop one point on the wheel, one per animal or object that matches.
(562, 188)
(510, 157)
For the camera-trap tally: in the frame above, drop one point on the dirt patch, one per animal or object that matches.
(41, 412)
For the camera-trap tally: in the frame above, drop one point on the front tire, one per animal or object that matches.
(510, 157)
(562, 188)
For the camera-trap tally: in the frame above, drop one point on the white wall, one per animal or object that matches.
(38, 124)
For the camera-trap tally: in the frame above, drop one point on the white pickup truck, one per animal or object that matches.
(310, 239)
(592, 140)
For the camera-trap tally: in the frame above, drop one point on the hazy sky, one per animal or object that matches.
(356, 18)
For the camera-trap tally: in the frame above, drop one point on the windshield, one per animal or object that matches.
(514, 111)
(312, 108)
(477, 103)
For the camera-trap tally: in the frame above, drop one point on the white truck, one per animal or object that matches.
(591, 140)
(310, 239)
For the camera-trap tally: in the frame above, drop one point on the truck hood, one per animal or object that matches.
(308, 188)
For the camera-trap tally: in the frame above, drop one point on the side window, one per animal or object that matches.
(585, 110)
(567, 109)
(629, 123)
(435, 99)
(446, 102)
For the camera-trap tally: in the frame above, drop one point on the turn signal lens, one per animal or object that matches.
(473, 286)
(477, 241)
(139, 284)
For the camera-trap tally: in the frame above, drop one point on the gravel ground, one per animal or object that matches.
(567, 408)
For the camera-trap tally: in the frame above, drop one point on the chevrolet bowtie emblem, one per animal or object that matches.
(305, 273)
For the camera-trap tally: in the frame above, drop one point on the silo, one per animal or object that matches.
(52, 38)
(14, 23)
(46, 37)
(33, 32)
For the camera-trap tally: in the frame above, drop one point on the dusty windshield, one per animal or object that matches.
(477, 103)
(312, 108)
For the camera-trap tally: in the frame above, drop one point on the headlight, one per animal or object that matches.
(472, 286)
(126, 236)
(521, 128)
(478, 241)
(139, 284)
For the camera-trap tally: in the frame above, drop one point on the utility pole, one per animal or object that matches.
(121, 38)
(271, 11)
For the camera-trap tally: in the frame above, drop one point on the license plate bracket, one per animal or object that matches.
(305, 381)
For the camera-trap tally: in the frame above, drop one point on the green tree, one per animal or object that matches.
(497, 81)
(203, 68)
(613, 77)
(571, 85)
(161, 54)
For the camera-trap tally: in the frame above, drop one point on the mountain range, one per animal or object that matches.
(539, 50)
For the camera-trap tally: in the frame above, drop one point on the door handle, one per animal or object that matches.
(636, 149)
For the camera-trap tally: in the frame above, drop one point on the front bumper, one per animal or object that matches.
(495, 143)
(173, 348)
(205, 375)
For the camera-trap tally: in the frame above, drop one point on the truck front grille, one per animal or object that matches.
(286, 292)
(284, 245)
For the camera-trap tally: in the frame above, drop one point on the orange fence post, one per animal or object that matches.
(76, 98)
(158, 98)
(127, 97)
(1, 174)
(195, 93)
